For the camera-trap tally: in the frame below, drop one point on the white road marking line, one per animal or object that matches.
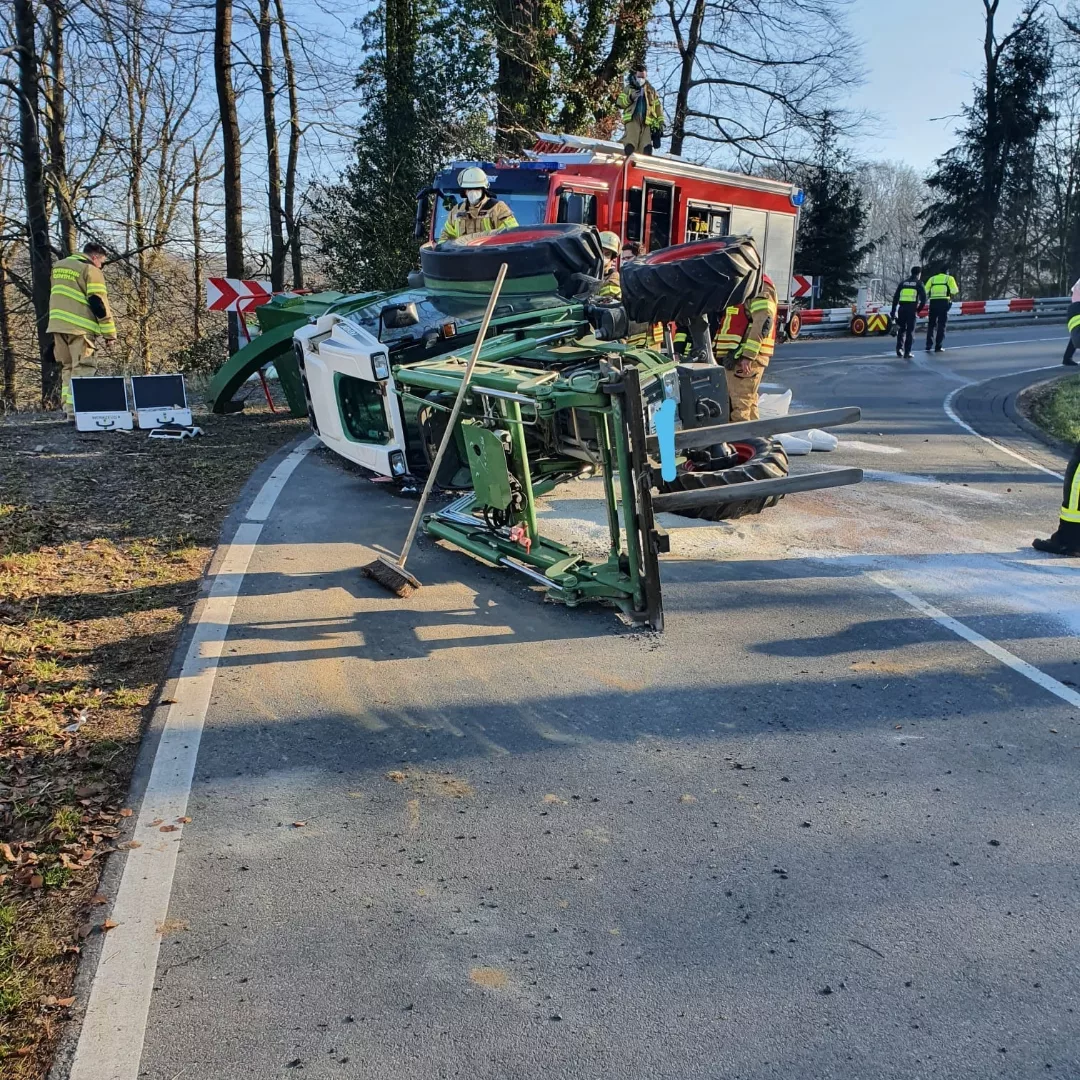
(869, 448)
(991, 648)
(111, 1040)
(950, 412)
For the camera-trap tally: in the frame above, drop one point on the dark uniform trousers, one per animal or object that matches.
(939, 316)
(905, 327)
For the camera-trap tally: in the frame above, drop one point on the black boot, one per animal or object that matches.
(1054, 546)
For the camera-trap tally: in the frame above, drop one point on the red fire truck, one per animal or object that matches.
(652, 200)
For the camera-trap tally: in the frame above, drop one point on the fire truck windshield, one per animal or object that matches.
(527, 208)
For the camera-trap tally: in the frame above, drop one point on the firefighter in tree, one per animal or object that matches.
(744, 345)
(78, 314)
(642, 113)
(478, 212)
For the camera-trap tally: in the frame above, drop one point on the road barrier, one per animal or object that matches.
(822, 322)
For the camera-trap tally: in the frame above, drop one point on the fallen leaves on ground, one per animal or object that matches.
(103, 542)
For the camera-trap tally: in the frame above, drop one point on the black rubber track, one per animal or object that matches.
(531, 250)
(768, 462)
(677, 283)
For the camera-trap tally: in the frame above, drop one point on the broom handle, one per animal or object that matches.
(448, 433)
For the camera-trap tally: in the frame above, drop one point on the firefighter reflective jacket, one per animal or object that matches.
(628, 103)
(942, 287)
(909, 291)
(610, 287)
(78, 303)
(748, 330)
(488, 215)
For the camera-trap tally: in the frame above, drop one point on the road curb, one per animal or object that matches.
(1014, 412)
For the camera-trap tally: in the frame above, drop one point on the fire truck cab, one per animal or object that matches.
(654, 201)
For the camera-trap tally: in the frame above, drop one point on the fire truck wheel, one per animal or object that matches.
(794, 327)
(677, 283)
(752, 459)
(532, 251)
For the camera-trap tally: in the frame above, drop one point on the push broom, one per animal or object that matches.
(392, 574)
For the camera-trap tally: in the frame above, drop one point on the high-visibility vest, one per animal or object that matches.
(489, 215)
(74, 279)
(942, 287)
(734, 324)
(736, 333)
(1074, 323)
(909, 291)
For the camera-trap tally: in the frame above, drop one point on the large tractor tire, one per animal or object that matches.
(534, 254)
(678, 283)
(751, 459)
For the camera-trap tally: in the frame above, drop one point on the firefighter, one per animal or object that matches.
(1066, 540)
(1074, 317)
(610, 287)
(479, 211)
(744, 345)
(642, 113)
(940, 291)
(908, 300)
(78, 314)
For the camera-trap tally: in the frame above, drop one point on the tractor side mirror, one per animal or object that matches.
(399, 316)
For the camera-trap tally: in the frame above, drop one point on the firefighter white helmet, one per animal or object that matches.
(472, 178)
(610, 242)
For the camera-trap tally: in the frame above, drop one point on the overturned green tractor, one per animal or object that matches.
(564, 388)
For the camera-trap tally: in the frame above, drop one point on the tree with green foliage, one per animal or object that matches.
(421, 113)
(833, 220)
(985, 188)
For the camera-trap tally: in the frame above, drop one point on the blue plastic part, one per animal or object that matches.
(664, 422)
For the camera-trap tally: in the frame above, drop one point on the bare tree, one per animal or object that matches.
(748, 73)
(37, 221)
(265, 70)
(231, 150)
(292, 223)
(55, 95)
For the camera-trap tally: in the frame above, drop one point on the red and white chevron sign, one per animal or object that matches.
(235, 294)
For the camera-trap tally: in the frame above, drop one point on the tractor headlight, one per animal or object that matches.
(397, 463)
(380, 364)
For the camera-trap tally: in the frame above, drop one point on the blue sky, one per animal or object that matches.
(921, 57)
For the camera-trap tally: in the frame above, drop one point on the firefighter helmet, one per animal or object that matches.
(610, 241)
(471, 178)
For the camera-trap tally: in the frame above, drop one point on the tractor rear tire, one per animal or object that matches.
(678, 283)
(567, 252)
(750, 459)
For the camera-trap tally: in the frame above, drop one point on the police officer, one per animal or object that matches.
(78, 314)
(610, 287)
(909, 298)
(642, 113)
(478, 212)
(940, 291)
(744, 345)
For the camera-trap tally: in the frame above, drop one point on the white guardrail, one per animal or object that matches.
(972, 313)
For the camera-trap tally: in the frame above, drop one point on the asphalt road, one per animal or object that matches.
(809, 831)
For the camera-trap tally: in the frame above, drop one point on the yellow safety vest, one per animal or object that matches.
(942, 287)
(489, 215)
(74, 279)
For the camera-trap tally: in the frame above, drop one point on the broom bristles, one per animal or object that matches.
(391, 576)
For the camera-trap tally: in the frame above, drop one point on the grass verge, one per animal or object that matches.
(1056, 408)
(103, 541)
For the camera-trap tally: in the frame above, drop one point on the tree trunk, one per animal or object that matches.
(522, 83)
(990, 188)
(686, 75)
(7, 350)
(56, 127)
(292, 225)
(37, 221)
(273, 159)
(196, 244)
(230, 135)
